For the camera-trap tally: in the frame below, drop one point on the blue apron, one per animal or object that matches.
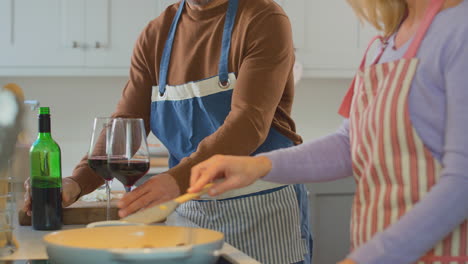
(183, 115)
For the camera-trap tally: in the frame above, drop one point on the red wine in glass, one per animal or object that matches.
(99, 165)
(128, 155)
(98, 154)
(128, 171)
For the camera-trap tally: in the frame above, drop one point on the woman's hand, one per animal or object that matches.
(347, 261)
(158, 189)
(70, 192)
(237, 171)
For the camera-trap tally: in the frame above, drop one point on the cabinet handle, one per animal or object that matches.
(98, 45)
(75, 44)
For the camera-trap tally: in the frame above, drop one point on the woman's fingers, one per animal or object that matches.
(347, 261)
(195, 174)
(233, 170)
(226, 185)
(207, 171)
(237, 172)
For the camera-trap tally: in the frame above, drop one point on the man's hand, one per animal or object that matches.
(159, 189)
(70, 192)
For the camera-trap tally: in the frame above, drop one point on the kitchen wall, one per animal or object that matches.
(316, 106)
(75, 101)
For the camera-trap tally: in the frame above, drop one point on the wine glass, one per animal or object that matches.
(99, 152)
(128, 158)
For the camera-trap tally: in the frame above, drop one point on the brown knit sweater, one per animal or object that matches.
(262, 56)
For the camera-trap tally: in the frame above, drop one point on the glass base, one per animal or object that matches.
(7, 250)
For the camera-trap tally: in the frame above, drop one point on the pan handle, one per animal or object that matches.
(146, 254)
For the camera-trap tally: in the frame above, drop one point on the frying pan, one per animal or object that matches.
(134, 244)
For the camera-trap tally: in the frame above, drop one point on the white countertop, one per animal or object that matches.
(31, 245)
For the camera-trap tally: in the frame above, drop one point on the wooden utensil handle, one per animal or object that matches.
(189, 196)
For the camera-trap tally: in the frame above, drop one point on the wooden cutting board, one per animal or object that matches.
(79, 213)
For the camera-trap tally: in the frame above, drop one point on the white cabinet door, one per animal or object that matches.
(332, 36)
(112, 29)
(96, 37)
(335, 39)
(34, 33)
(6, 23)
(297, 15)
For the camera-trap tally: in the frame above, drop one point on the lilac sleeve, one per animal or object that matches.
(325, 159)
(446, 205)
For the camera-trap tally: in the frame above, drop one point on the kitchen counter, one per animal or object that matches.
(31, 245)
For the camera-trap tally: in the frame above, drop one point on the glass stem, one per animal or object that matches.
(108, 193)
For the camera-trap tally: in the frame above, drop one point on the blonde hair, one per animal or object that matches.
(384, 15)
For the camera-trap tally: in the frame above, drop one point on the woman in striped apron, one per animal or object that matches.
(411, 203)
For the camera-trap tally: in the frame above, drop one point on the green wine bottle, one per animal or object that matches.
(46, 177)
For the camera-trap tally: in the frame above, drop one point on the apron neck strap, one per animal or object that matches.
(166, 56)
(345, 106)
(431, 12)
(225, 45)
(364, 58)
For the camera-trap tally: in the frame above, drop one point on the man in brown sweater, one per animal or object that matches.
(226, 87)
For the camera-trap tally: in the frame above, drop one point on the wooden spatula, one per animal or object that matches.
(160, 212)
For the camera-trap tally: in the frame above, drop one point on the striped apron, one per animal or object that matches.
(392, 167)
(268, 221)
